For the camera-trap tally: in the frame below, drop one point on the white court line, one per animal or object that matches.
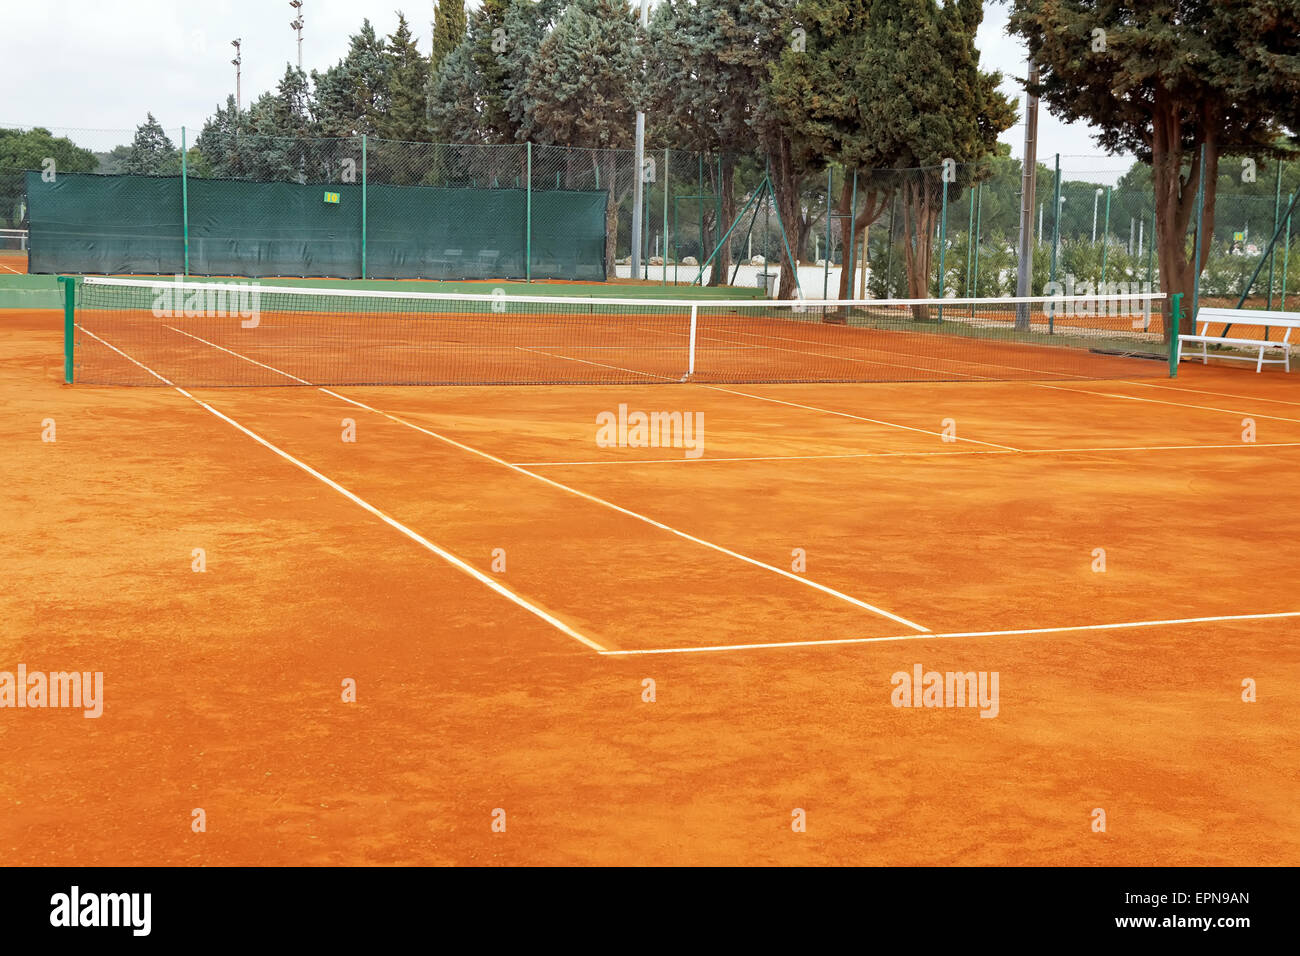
(839, 358)
(567, 358)
(860, 418)
(355, 499)
(808, 582)
(1156, 401)
(1201, 391)
(14, 271)
(866, 348)
(914, 637)
(910, 454)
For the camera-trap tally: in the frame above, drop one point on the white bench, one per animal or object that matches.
(1286, 321)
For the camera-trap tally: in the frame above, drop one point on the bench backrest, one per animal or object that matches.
(1280, 320)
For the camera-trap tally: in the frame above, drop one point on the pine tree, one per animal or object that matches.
(448, 30)
(152, 153)
(351, 97)
(583, 88)
(406, 73)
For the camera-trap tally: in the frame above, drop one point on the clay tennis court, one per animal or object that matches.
(522, 689)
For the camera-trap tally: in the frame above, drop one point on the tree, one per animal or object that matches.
(152, 153)
(406, 72)
(699, 101)
(751, 35)
(31, 149)
(583, 88)
(468, 92)
(1171, 81)
(448, 30)
(924, 103)
(351, 97)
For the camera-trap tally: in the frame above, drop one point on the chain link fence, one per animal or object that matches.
(710, 218)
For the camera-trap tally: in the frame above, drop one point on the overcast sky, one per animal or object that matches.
(91, 69)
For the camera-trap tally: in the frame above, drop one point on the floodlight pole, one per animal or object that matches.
(1028, 187)
(239, 102)
(638, 163)
(296, 24)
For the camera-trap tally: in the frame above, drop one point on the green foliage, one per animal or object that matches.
(151, 152)
(583, 83)
(353, 96)
(448, 30)
(406, 74)
(1164, 78)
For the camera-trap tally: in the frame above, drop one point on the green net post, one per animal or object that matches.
(528, 212)
(69, 284)
(185, 205)
(1176, 323)
(364, 177)
(1105, 241)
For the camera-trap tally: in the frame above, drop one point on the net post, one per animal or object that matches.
(690, 361)
(69, 284)
(363, 205)
(1175, 326)
(185, 204)
(528, 212)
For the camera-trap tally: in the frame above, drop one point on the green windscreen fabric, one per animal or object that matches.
(104, 224)
(135, 225)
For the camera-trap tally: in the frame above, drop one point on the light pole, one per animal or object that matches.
(296, 24)
(236, 62)
(1095, 198)
(638, 163)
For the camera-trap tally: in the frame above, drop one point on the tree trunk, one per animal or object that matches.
(918, 240)
(850, 232)
(611, 214)
(720, 270)
(786, 183)
(1175, 200)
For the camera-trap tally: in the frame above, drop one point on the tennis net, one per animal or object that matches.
(153, 332)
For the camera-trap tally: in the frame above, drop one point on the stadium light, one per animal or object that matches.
(236, 63)
(297, 23)
(638, 163)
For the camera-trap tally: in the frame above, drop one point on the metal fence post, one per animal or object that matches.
(185, 205)
(1200, 225)
(528, 213)
(364, 178)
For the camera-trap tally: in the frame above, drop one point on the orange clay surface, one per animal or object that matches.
(223, 688)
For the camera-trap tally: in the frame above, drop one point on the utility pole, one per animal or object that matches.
(296, 23)
(236, 62)
(638, 161)
(1028, 185)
